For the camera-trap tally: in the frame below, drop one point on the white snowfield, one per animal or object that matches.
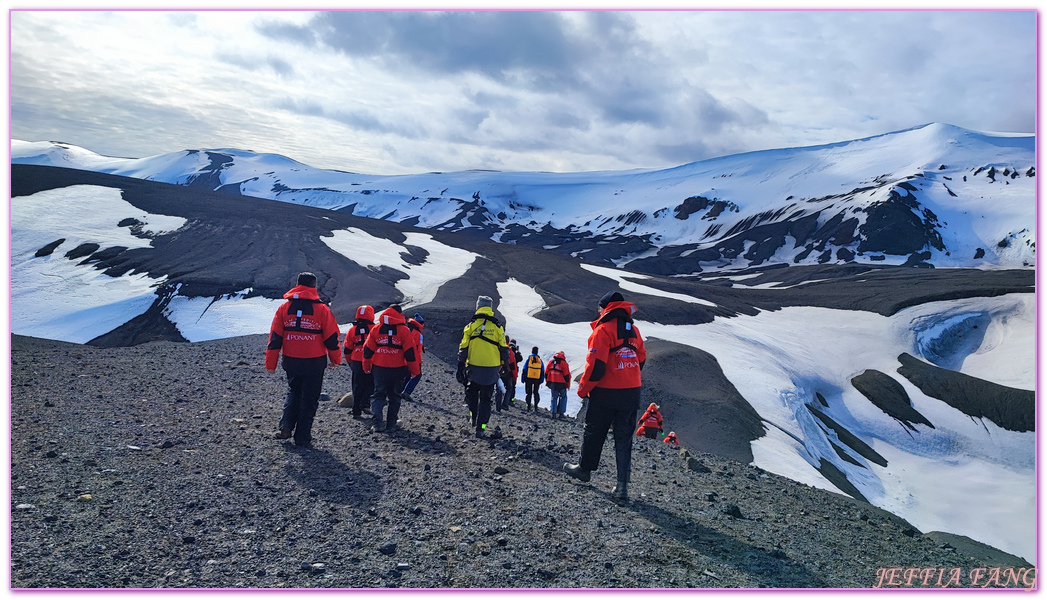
(57, 298)
(442, 264)
(974, 210)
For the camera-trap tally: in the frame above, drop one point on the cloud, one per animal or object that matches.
(254, 63)
(404, 91)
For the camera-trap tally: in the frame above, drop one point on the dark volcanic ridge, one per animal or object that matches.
(233, 243)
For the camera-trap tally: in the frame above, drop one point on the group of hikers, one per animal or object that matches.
(384, 353)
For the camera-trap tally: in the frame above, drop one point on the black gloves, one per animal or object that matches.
(459, 374)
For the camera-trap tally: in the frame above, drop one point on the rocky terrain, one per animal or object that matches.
(155, 466)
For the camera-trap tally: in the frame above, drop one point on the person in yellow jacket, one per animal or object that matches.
(481, 355)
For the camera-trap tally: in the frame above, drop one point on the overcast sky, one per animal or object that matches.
(408, 92)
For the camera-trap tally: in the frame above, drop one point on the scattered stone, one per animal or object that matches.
(416, 510)
(500, 470)
(732, 510)
(697, 466)
(25, 507)
(167, 444)
(84, 498)
(388, 548)
(711, 496)
(51, 454)
(403, 566)
(188, 539)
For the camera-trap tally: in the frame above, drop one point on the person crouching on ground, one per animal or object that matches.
(558, 379)
(363, 383)
(532, 375)
(481, 355)
(305, 331)
(650, 424)
(611, 381)
(417, 325)
(391, 356)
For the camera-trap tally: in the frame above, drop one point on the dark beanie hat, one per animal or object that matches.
(307, 279)
(534, 350)
(610, 297)
(397, 308)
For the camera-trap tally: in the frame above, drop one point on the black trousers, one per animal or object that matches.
(478, 398)
(363, 387)
(610, 410)
(303, 398)
(388, 385)
(532, 388)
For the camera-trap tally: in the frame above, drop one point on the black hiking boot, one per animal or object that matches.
(621, 490)
(577, 472)
(283, 434)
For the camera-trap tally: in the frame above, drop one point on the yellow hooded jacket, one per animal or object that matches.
(485, 339)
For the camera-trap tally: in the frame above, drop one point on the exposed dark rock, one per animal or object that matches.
(849, 439)
(84, 249)
(50, 248)
(839, 479)
(1007, 407)
(889, 396)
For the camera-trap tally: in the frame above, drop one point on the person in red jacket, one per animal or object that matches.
(306, 333)
(508, 376)
(611, 382)
(671, 439)
(353, 348)
(650, 424)
(558, 379)
(417, 325)
(391, 355)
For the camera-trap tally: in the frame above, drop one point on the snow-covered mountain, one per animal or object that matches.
(908, 388)
(933, 195)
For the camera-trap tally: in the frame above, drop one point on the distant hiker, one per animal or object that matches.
(481, 355)
(650, 424)
(611, 381)
(390, 354)
(558, 378)
(507, 376)
(353, 348)
(417, 325)
(306, 333)
(515, 358)
(532, 375)
(671, 439)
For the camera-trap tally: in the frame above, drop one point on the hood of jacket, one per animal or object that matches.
(616, 310)
(365, 313)
(302, 291)
(390, 317)
(484, 310)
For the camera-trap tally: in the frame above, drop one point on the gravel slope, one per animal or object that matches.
(155, 467)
